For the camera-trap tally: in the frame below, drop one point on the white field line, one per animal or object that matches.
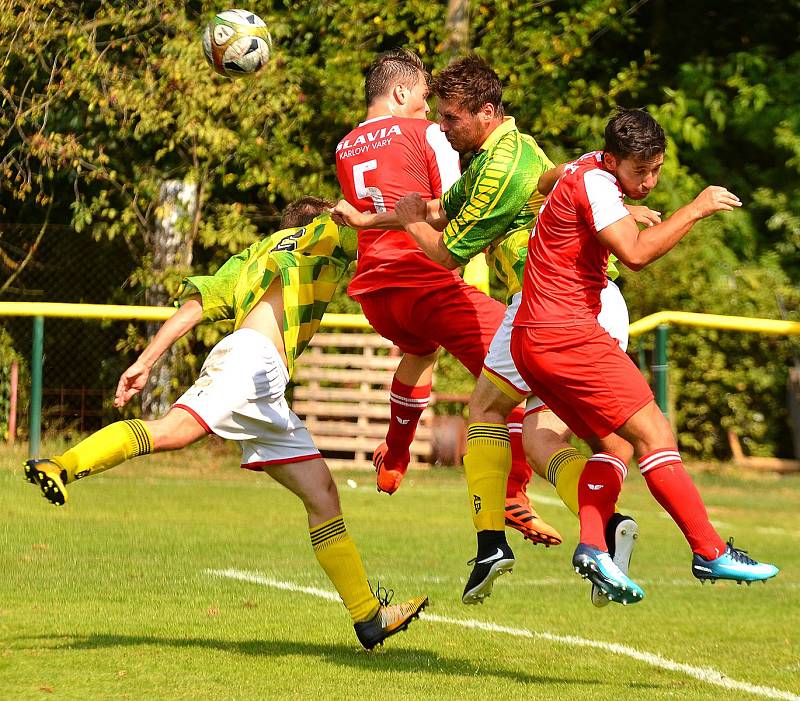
(707, 675)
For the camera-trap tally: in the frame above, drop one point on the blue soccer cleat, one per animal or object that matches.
(733, 564)
(597, 566)
(622, 532)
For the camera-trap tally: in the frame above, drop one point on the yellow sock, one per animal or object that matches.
(337, 555)
(563, 471)
(107, 448)
(487, 464)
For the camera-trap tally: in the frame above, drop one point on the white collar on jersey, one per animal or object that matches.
(376, 119)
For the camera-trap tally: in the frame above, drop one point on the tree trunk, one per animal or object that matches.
(457, 28)
(171, 245)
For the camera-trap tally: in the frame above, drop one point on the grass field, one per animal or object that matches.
(122, 595)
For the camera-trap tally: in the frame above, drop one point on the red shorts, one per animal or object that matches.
(458, 317)
(581, 373)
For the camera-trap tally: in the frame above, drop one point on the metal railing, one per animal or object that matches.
(659, 322)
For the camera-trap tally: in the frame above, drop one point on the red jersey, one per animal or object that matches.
(377, 163)
(566, 266)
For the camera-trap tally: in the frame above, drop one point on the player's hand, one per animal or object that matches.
(344, 214)
(715, 199)
(644, 215)
(411, 209)
(131, 383)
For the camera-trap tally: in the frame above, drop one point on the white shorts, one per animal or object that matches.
(239, 396)
(499, 366)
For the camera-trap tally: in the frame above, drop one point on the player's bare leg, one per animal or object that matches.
(374, 619)
(411, 392)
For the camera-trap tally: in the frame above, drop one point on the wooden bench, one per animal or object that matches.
(342, 394)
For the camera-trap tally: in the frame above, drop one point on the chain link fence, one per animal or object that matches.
(82, 358)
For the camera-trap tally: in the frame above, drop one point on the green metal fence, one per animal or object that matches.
(659, 323)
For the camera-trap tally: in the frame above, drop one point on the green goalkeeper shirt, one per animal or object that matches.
(310, 262)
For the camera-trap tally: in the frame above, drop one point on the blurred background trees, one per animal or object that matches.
(103, 103)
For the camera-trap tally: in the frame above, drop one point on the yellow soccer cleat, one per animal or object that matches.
(388, 620)
(49, 477)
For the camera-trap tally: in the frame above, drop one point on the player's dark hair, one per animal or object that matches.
(302, 211)
(470, 82)
(391, 67)
(634, 133)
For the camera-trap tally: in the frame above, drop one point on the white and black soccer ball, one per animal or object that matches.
(237, 43)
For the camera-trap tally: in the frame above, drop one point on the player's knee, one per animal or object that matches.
(487, 404)
(174, 431)
(322, 502)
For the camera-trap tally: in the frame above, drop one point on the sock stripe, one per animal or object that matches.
(328, 533)
(412, 402)
(141, 436)
(514, 427)
(325, 532)
(658, 458)
(612, 460)
(488, 432)
(558, 461)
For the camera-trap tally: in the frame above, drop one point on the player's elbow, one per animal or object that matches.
(636, 266)
(633, 261)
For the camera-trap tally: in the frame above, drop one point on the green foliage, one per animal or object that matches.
(101, 102)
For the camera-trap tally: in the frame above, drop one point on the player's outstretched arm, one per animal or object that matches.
(135, 377)
(344, 214)
(637, 249)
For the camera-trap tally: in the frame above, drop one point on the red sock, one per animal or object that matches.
(672, 487)
(521, 472)
(407, 404)
(598, 490)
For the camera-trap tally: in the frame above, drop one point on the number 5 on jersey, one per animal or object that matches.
(367, 193)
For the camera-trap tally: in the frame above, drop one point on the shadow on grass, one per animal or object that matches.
(394, 660)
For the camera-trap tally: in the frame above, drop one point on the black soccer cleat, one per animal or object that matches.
(487, 567)
(388, 620)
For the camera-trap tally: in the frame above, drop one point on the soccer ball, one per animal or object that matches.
(236, 43)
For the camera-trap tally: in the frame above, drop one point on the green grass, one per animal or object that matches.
(110, 598)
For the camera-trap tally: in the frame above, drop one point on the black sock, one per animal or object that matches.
(489, 540)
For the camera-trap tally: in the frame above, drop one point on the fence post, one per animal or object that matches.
(12, 405)
(35, 418)
(660, 368)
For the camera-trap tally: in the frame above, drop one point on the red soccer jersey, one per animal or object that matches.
(566, 266)
(377, 163)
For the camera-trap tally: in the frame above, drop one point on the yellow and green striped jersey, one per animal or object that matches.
(496, 198)
(310, 261)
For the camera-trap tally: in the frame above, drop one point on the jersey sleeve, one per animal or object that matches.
(443, 162)
(498, 194)
(603, 205)
(349, 242)
(216, 290)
